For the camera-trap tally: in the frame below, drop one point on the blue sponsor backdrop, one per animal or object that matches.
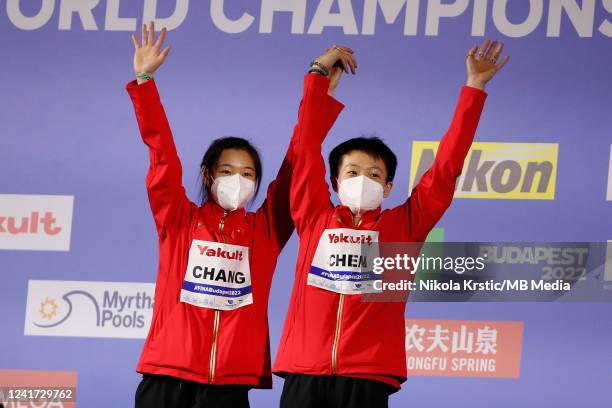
(68, 128)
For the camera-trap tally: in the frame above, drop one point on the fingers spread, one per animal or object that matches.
(483, 49)
(135, 41)
(161, 38)
(472, 51)
(499, 50)
(164, 53)
(489, 53)
(150, 40)
(502, 63)
(143, 35)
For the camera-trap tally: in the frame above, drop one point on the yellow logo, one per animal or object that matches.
(524, 171)
(48, 309)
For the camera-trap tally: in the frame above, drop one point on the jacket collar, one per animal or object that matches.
(367, 218)
(213, 212)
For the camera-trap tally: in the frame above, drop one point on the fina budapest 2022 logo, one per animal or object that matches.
(89, 309)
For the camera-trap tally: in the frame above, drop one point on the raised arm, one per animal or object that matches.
(434, 192)
(318, 111)
(169, 202)
(274, 215)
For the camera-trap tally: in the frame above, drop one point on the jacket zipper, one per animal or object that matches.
(337, 334)
(213, 348)
(356, 224)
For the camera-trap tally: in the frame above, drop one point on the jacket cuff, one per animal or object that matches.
(473, 92)
(318, 85)
(141, 92)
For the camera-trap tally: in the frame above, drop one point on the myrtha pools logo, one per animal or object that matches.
(89, 309)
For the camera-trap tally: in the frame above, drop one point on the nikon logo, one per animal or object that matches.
(524, 171)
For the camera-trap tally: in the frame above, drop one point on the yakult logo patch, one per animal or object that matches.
(220, 253)
(343, 261)
(218, 276)
(342, 238)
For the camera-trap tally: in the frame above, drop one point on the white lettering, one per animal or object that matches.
(606, 27)
(115, 23)
(581, 18)
(521, 29)
(29, 22)
(171, 22)
(83, 8)
(479, 18)
(225, 24)
(435, 10)
(296, 7)
(324, 18)
(390, 10)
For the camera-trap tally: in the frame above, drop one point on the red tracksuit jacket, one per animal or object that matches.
(327, 333)
(191, 342)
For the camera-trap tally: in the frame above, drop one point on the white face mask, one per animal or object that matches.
(360, 194)
(232, 192)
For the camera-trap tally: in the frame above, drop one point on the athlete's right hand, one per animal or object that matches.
(148, 55)
(337, 59)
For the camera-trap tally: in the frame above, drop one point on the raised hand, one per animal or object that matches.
(148, 54)
(337, 59)
(482, 66)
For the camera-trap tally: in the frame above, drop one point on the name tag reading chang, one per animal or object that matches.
(218, 276)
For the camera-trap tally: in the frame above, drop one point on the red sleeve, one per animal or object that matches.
(274, 216)
(318, 111)
(434, 192)
(167, 197)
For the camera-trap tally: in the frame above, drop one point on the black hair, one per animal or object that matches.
(372, 145)
(215, 150)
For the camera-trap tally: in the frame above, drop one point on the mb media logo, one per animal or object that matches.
(497, 170)
(89, 309)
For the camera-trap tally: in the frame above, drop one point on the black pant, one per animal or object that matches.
(160, 391)
(321, 391)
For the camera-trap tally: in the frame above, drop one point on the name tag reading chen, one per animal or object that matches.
(343, 261)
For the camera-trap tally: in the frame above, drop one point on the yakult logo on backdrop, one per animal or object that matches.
(497, 170)
(89, 309)
(35, 222)
(464, 348)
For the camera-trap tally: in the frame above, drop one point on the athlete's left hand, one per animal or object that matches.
(482, 65)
